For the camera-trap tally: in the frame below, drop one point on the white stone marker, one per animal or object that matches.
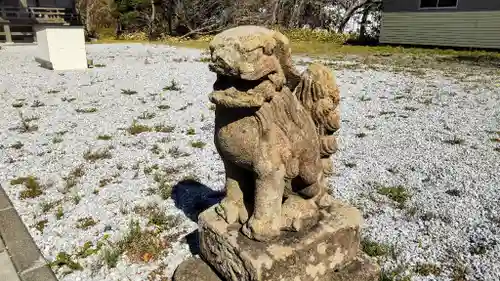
(61, 47)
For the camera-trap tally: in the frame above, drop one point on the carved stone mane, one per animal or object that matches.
(318, 93)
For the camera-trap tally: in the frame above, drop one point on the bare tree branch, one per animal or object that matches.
(351, 11)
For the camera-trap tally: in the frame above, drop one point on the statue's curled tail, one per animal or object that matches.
(319, 94)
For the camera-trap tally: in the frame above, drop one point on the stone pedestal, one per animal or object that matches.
(328, 251)
(61, 47)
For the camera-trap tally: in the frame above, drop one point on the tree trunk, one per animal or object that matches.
(295, 17)
(349, 13)
(364, 20)
(118, 30)
(151, 20)
(88, 20)
(170, 15)
(274, 19)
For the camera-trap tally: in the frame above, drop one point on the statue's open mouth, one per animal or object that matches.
(234, 92)
(225, 82)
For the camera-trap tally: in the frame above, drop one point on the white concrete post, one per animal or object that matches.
(61, 47)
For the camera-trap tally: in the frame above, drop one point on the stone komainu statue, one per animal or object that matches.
(273, 130)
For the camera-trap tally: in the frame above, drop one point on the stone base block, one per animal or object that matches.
(315, 254)
(362, 268)
(195, 269)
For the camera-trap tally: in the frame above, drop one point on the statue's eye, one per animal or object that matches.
(269, 51)
(269, 48)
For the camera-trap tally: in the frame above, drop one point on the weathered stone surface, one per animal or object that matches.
(310, 255)
(195, 269)
(19, 255)
(274, 130)
(7, 270)
(4, 204)
(2, 245)
(23, 250)
(362, 268)
(42, 273)
(4, 199)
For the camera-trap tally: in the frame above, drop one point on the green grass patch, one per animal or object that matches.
(94, 155)
(76, 198)
(26, 127)
(32, 187)
(163, 106)
(86, 110)
(137, 128)
(47, 206)
(138, 244)
(73, 177)
(147, 116)
(64, 259)
(57, 139)
(394, 275)
(164, 187)
(59, 213)
(161, 128)
(454, 141)
(157, 217)
(104, 137)
(88, 249)
(37, 103)
(374, 249)
(17, 145)
(128, 92)
(18, 104)
(198, 144)
(104, 182)
(398, 194)
(85, 223)
(459, 272)
(426, 269)
(40, 226)
(173, 86)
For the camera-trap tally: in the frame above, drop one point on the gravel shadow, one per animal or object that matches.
(193, 197)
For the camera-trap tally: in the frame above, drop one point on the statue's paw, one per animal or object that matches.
(228, 210)
(261, 230)
(299, 214)
(243, 214)
(326, 200)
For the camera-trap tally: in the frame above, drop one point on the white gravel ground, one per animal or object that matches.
(433, 136)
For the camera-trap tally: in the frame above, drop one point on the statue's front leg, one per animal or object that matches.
(265, 222)
(232, 207)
